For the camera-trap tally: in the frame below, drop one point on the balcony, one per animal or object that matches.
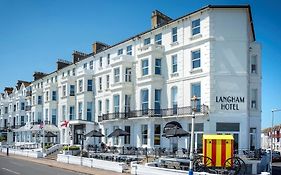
(120, 59)
(148, 49)
(180, 111)
(28, 93)
(28, 108)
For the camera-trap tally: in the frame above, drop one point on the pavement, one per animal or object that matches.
(19, 165)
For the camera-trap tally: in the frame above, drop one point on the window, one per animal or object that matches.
(174, 63)
(100, 83)
(63, 110)
(47, 96)
(46, 114)
(127, 139)
(108, 59)
(116, 101)
(107, 105)
(196, 91)
(144, 134)
(21, 120)
(174, 34)
(158, 39)
(64, 90)
(85, 65)
(128, 74)
(22, 106)
(54, 116)
(146, 41)
(99, 107)
(196, 56)
(72, 90)
(54, 95)
(116, 75)
(68, 72)
(120, 52)
(174, 99)
(80, 110)
(144, 65)
(90, 85)
(39, 102)
(157, 101)
(107, 81)
(129, 50)
(254, 98)
(91, 65)
(80, 85)
(157, 134)
(253, 140)
(115, 139)
(229, 128)
(6, 110)
(100, 61)
(158, 66)
(73, 71)
(254, 64)
(127, 103)
(71, 112)
(144, 101)
(195, 27)
(89, 111)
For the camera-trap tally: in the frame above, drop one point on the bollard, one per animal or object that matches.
(8, 151)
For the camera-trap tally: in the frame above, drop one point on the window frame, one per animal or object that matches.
(195, 27)
(195, 59)
(145, 68)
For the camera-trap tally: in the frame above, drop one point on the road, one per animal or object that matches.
(276, 168)
(12, 166)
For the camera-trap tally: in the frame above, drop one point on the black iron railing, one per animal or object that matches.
(27, 108)
(203, 109)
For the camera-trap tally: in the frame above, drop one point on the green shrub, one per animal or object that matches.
(2, 138)
(71, 148)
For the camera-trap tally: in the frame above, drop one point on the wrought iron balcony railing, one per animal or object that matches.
(178, 111)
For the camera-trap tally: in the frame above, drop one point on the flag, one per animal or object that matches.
(65, 123)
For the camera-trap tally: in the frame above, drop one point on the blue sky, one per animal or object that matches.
(35, 33)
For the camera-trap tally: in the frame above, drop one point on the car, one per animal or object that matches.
(276, 157)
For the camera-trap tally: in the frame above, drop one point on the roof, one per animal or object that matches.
(218, 137)
(247, 6)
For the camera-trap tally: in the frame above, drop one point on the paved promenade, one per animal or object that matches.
(69, 167)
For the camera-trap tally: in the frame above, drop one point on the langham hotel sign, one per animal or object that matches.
(230, 102)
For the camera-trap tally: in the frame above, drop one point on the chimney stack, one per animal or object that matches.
(9, 90)
(159, 19)
(20, 82)
(62, 63)
(78, 56)
(99, 46)
(38, 75)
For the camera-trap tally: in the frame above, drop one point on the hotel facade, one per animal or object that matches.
(147, 81)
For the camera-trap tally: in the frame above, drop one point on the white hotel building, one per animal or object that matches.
(146, 81)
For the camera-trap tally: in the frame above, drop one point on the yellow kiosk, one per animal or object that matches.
(219, 148)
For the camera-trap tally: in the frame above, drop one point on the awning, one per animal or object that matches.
(51, 128)
(94, 133)
(174, 129)
(118, 132)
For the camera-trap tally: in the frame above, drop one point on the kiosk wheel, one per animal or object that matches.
(202, 164)
(235, 166)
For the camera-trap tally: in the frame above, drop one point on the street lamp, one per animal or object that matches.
(194, 99)
(271, 136)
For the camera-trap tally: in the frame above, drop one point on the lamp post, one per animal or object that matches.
(271, 136)
(191, 155)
